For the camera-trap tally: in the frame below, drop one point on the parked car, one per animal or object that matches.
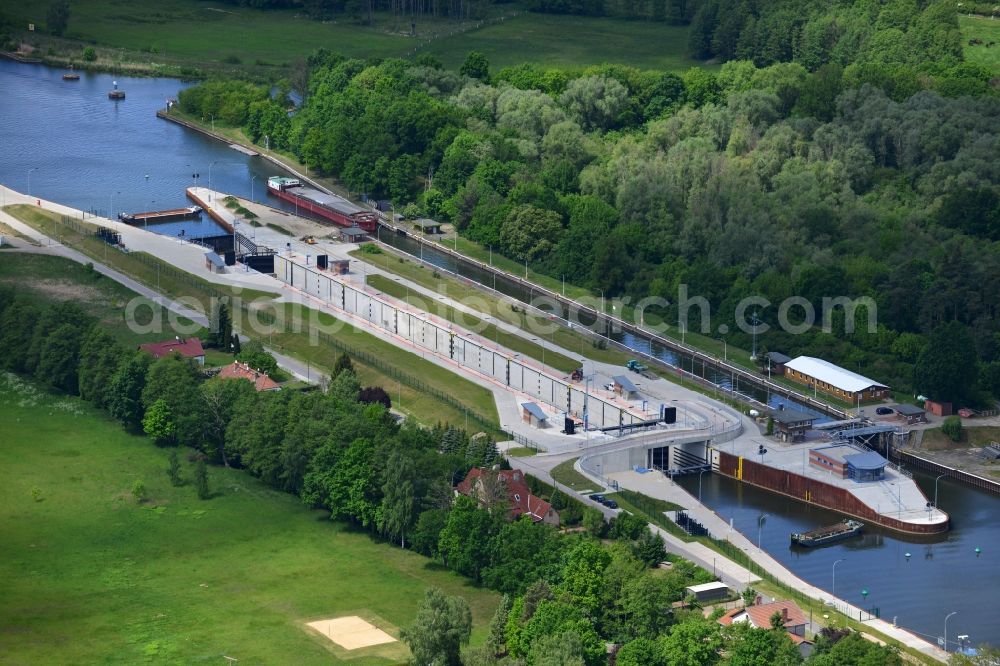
(597, 497)
(611, 504)
(882, 411)
(609, 387)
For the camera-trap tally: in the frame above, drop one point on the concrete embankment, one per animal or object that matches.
(165, 115)
(927, 464)
(913, 519)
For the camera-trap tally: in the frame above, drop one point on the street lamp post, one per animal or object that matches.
(252, 178)
(946, 618)
(210, 174)
(833, 583)
(699, 485)
(936, 489)
(760, 527)
(29, 179)
(602, 302)
(539, 343)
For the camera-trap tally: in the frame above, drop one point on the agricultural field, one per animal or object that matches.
(94, 576)
(188, 31)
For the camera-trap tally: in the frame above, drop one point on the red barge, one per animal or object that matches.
(330, 207)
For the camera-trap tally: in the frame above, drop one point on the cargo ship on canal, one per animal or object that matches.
(330, 207)
(827, 535)
(154, 216)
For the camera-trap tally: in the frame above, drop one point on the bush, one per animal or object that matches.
(174, 470)
(232, 60)
(952, 427)
(89, 54)
(201, 479)
(626, 527)
(139, 491)
(375, 394)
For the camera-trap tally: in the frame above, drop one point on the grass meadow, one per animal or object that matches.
(190, 31)
(93, 577)
(47, 278)
(987, 30)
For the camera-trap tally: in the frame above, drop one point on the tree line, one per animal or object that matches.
(567, 594)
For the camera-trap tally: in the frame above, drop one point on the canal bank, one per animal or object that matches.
(117, 144)
(657, 350)
(895, 503)
(913, 581)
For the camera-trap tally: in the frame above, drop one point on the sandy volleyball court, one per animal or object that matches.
(351, 632)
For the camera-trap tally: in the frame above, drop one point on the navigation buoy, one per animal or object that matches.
(978, 551)
(116, 93)
(907, 556)
(864, 592)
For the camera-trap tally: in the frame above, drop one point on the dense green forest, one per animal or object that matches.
(568, 593)
(856, 178)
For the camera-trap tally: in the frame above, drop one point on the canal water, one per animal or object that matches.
(942, 574)
(67, 142)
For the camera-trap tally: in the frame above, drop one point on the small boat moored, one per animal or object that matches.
(825, 535)
(71, 75)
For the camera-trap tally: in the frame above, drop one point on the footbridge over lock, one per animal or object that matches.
(674, 451)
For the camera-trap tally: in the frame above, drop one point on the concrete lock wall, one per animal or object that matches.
(811, 491)
(450, 342)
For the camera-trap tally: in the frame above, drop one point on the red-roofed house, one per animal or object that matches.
(519, 497)
(261, 381)
(759, 615)
(186, 347)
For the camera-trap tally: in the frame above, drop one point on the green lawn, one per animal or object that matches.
(230, 37)
(60, 279)
(566, 475)
(473, 249)
(10, 234)
(92, 577)
(975, 436)
(47, 278)
(399, 368)
(988, 30)
(142, 267)
(481, 328)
